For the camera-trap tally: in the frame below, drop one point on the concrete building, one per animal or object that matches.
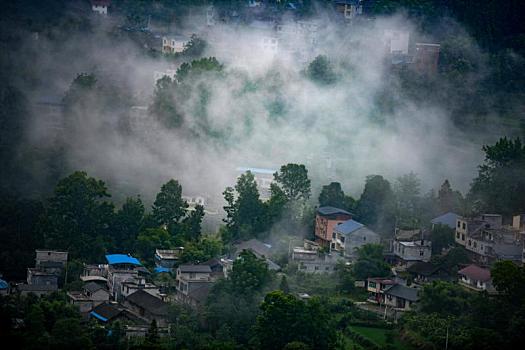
(410, 252)
(350, 235)
(401, 297)
(426, 58)
(100, 6)
(174, 43)
(326, 219)
(167, 258)
(193, 284)
(476, 278)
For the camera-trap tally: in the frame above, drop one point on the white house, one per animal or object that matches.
(350, 235)
(412, 251)
(174, 43)
(100, 6)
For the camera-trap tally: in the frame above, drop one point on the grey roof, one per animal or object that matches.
(325, 211)
(348, 227)
(195, 268)
(404, 292)
(107, 310)
(201, 294)
(272, 266)
(92, 287)
(424, 268)
(256, 246)
(148, 302)
(37, 287)
(448, 219)
(51, 264)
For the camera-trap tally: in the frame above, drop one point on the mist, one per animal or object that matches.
(337, 130)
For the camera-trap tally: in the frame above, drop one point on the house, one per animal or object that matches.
(170, 73)
(100, 6)
(326, 219)
(396, 41)
(51, 261)
(36, 289)
(409, 252)
(376, 288)
(216, 267)
(37, 277)
(448, 219)
(147, 307)
(92, 295)
(401, 297)
(193, 284)
(349, 8)
(174, 43)
(426, 58)
(487, 240)
(350, 235)
(260, 249)
(476, 278)
(424, 272)
(167, 258)
(110, 312)
(121, 268)
(134, 284)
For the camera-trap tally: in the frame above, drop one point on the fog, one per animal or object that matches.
(337, 130)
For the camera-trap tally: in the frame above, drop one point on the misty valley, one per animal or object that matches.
(262, 174)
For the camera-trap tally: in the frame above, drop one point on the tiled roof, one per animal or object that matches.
(476, 273)
(331, 211)
(195, 268)
(148, 302)
(404, 292)
(348, 227)
(448, 219)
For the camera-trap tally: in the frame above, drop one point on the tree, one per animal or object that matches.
(197, 68)
(408, 201)
(67, 333)
(444, 298)
(151, 239)
(509, 279)
(321, 71)
(202, 250)
(194, 47)
(370, 262)
(285, 319)
(500, 181)
(78, 216)
(245, 213)
(249, 274)
(169, 206)
(191, 225)
(376, 204)
(294, 182)
(283, 286)
(441, 237)
(164, 106)
(332, 195)
(128, 222)
(152, 336)
(449, 200)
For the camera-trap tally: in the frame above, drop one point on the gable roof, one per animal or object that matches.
(195, 268)
(325, 211)
(348, 227)
(476, 273)
(201, 294)
(404, 292)
(148, 302)
(257, 247)
(106, 312)
(448, 219)
(424, 268)
(122, 259)
(93, 287)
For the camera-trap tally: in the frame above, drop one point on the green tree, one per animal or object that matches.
(202, 250)
(441, 237)
(164, 105)
(188, 71)
(449, 200)
(294, 182)
(151, 239)
(499, 183)
(128, 222)
(169, 206)
(245, 213)
(407, 189)
(68, 333)
(509, 279)
(191, 225)
(152, 336)
(321, 71)
(249, 274)
(444, 298)
(283, 285)
(78, 216)
(332, 195)
(376, 204)
(370, 262)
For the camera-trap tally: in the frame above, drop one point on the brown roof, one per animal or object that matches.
(476, 273)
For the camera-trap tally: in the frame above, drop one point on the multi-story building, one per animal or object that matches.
(350, 235)
(193, 284)
(174, 43)
(410, 252)
(326, 219)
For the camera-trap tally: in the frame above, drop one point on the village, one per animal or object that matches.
(267, 174)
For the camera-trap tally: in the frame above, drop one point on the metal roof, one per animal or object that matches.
(404, 292)
(448, 219)
(195, 268)
(122, 259)
(348, 227)
(332, 211)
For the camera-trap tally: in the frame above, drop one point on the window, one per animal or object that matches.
(475, 244)
(342, 239)
(464, 226)
(459, 224)
(364, 238)
(469, 242)
(192, 274)
(457, 235)
(421, 253)
(462, 237)
(316, 268)
(333, 235)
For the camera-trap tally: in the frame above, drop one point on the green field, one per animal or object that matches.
(379, 336)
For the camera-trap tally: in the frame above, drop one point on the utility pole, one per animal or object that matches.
(446, 339)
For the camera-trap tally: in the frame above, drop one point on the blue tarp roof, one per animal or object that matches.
(94, 314)
(448, 219)
(348, 227)
(257, 170)
(160, 269)
(3, 284)
(122, 259)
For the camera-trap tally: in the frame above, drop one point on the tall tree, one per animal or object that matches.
(407, 189)
(128, 223)
(169, 206)
(78, 216)
(370, 262)
(332, 195)
(293, 180)
(500, 182)
(249, 274)
(449, 200)
(376, 204)
(321, 71)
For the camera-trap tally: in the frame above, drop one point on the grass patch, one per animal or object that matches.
(381, 336)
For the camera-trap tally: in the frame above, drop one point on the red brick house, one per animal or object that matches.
(326, 219)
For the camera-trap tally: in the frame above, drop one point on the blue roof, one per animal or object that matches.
(94, 314)
(3, 284)
(257, 170)
(327, 210)
(160, 269)
(348, 227)
(448, 219)
(122, 259)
